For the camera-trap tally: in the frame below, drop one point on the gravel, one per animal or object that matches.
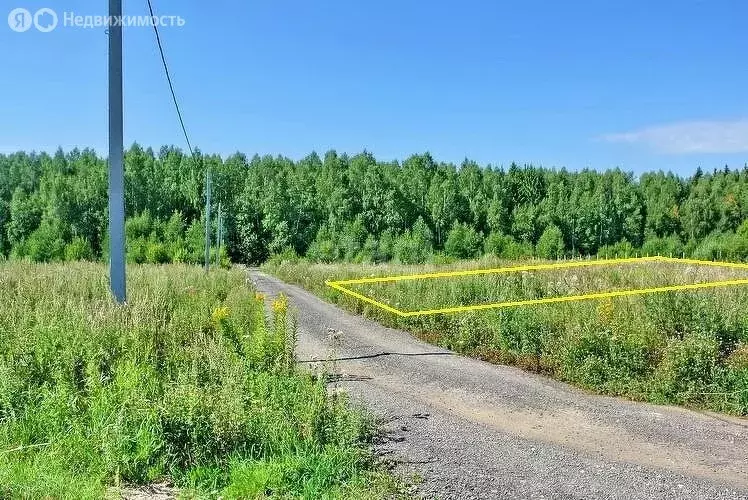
(461, 428)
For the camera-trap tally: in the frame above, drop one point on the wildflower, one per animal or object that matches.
(280, 304)
(260, 297)
(220, 314)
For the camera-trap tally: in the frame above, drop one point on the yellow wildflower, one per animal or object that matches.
(280, 304)
(219, 315)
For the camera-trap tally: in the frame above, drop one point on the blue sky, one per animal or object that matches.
(636, 84)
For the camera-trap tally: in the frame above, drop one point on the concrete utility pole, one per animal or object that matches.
(207, 219)
(116, 167)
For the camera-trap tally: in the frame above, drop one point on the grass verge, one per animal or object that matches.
(189, 383)
(686, 347)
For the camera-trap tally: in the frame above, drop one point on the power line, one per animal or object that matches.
(168, 78)
(186, 138)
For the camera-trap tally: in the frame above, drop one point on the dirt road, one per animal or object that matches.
(470, 429)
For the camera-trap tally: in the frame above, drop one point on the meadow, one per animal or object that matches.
(192, 383)
(685, 347)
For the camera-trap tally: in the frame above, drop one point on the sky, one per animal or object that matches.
(634, 84)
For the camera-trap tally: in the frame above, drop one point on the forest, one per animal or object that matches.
(358, 209)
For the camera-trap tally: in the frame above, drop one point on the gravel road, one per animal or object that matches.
(471, 429)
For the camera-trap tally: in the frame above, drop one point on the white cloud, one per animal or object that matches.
(690, 137)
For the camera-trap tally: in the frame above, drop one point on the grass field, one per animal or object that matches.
(189, 383)
(480, 289)
(685, 347)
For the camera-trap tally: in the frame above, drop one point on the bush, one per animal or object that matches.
(688, 367)
(173, 229)
(139, 226)
(710, 248)
(669, 246)
(45, 244)
(156, 253)
(463, 242)
(287, 256)
(137, 250)
(620, 250)
(516, 250)
(369, 251)
(409, 250)
(351, 239)
(78, 249)
(322, 251)
(414, 246)
(440, 259)
(178, 252)
(194, 239)
(385, 247)
(506, 247)
(551, 243)
(496, 243)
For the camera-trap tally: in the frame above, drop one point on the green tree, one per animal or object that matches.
(463, 242)
(551, 243)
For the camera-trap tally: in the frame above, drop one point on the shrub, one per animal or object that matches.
(738, 359)
(137, 250)
(156, 253)
(496, 243)
(414, 246)
(721, 246)
(688, 367)
(287, 256)
(368, 252)
(385, 247)
(409, 250)
(516, 250)
(351, 239)
(178, 252)
(45, 244)
(173, 229)
(620, 250)
(440, 259)
(551, 243)
(668, 246)
(463, 242)
(78, 249)
(195, 242)
(742, 230)
(139, 226)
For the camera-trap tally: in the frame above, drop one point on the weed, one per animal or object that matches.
(683, 347)
(188, 383)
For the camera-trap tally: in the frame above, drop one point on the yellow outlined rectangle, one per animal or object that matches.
(341, 284)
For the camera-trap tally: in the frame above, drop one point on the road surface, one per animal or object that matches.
(469, 429)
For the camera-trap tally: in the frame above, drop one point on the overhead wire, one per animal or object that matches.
(168, 79)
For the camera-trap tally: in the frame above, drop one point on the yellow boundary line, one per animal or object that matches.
(339, 285)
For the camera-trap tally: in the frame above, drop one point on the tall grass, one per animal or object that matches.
(189, 382)
(686, 347)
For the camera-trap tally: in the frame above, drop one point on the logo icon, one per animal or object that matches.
(45, 20)
(20, 20)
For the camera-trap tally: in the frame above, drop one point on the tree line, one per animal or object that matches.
(355, 208)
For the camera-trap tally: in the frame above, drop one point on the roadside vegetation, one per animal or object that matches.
(190, 383)
(687, 347)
